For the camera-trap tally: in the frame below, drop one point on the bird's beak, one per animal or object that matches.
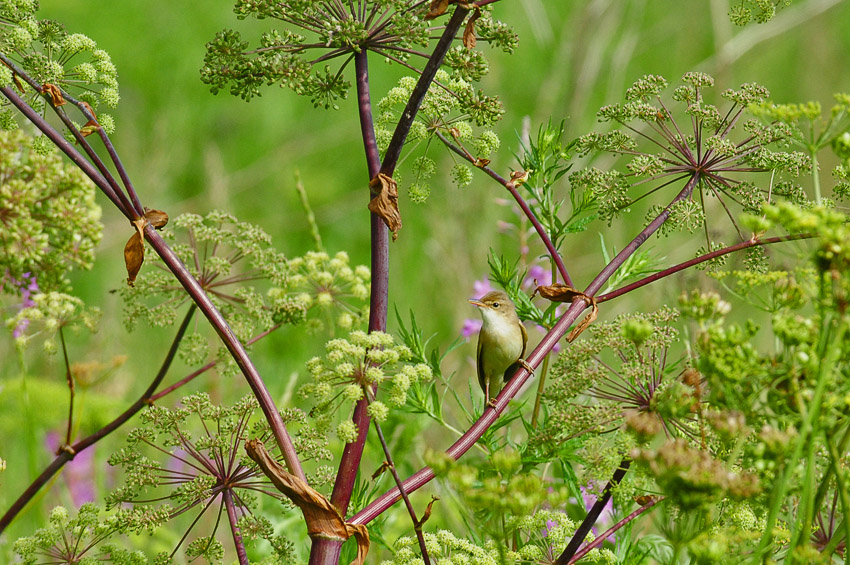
(478, 303)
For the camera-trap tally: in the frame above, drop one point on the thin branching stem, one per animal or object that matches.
(67, 455)
(417, 525)
(593, 515)
(511, 186)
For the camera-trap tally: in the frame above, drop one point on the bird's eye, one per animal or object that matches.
(495, 305)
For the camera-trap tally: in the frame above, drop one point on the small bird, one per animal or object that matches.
(501, 343)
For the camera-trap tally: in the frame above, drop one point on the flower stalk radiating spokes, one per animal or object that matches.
(204, 468)
(392, 29)
(705, 147)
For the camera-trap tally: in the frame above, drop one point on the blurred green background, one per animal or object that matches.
(190, 151)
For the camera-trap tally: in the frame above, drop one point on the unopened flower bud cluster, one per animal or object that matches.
(350, 367)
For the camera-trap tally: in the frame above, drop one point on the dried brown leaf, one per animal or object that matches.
(469, 40)
(157, 218)
(384, 466)
(134, 256)
(323, 519)
(427, 514)
(560, 292)
(436, 9)
(90, 127)
(55, 94)
(518, 178)
(385, 202)
(557, 292)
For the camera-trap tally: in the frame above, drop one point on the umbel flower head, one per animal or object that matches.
(206, 468)
(82, 538)
(622, 374)
(314, 32)
(351, 368)
(51, 55)
(700, 158)
(49, 217)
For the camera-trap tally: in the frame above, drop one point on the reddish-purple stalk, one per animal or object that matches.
(125, 206)
(511, 186)
(490, 415)
(328, 551)
(67, 455)
(613, 529)
(696, 261)
(66, 147)
(325, 550)
(232, 519)
(593, 514)
(189, 283)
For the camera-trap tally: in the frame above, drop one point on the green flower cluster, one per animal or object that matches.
(451, 107)
(205, 444)
(51, 222)
(698, 158)
(330, 287)
(349, 370)
(83, 538)
(623, 366)
(48, 314)
(761, 11)
(545, 535)
(391, 28)
(51, 55)
(445, 548)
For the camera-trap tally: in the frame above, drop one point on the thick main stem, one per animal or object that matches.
(465, 442)
(325, 550)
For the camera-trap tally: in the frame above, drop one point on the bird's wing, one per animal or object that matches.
(515, 366)
(479, 356)
(524, 340)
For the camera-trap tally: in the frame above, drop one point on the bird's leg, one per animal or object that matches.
(491, 402)
(526, 366)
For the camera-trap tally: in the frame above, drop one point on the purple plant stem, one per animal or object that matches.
(696, 261)
(227, 496)
(490, 415)
(328, 551)
(613, 529)
(75, 156)
(234, 346)
(67, 455)
(189, 283)
(593, 514)
(511, 186)
(325, 550)
(420, 90)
